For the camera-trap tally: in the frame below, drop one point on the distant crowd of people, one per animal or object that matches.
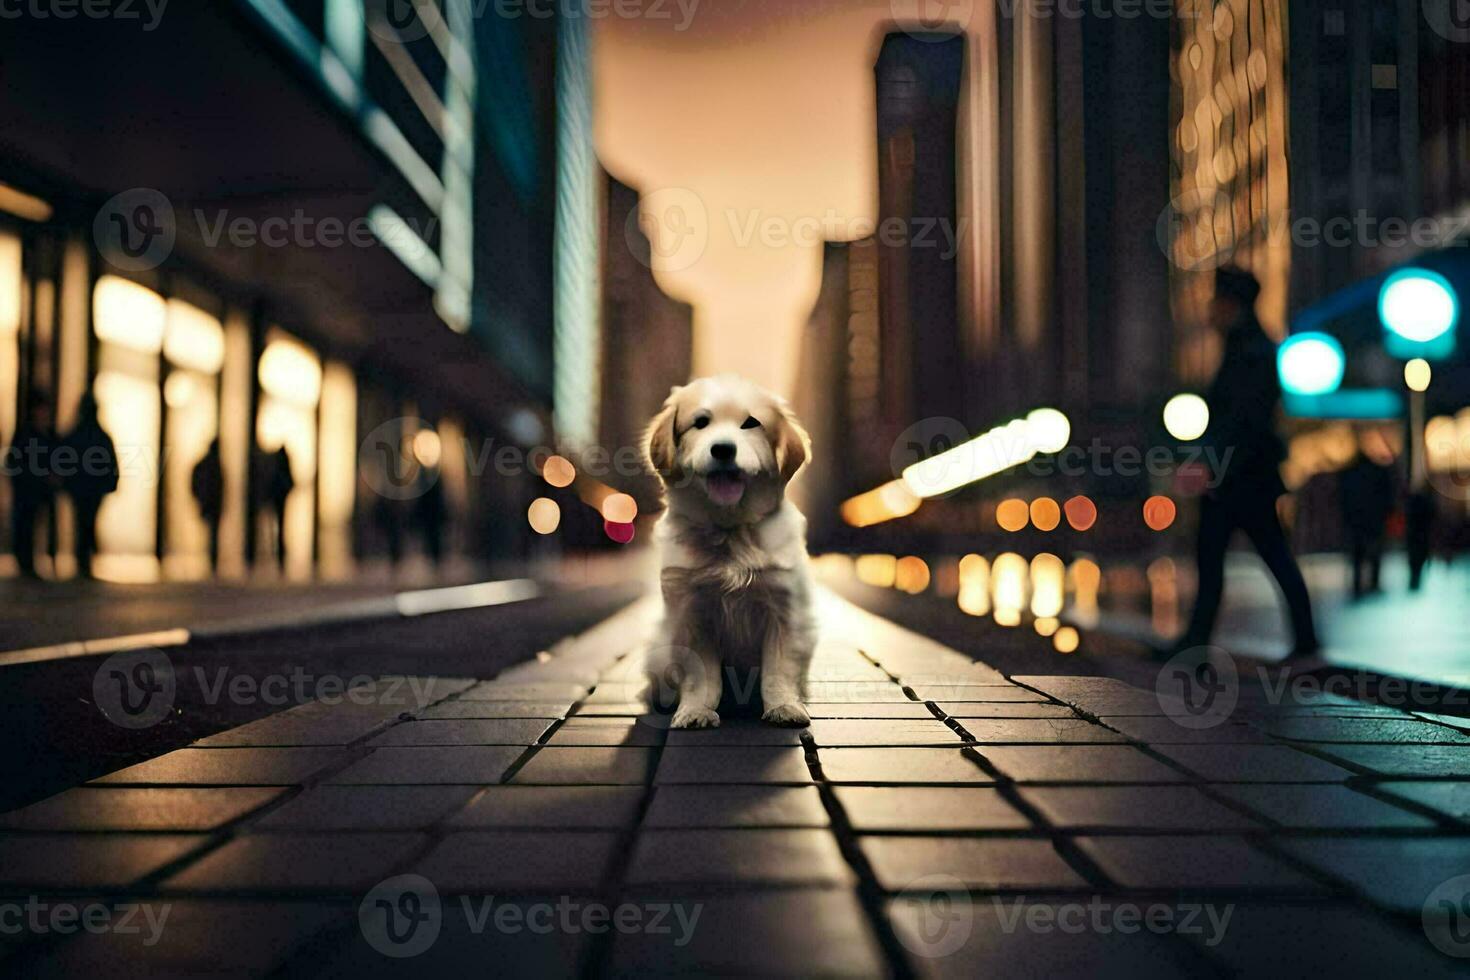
(83, 466)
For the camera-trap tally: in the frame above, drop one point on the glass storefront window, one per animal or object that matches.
(129, 320)
(194, 346)
(290, 377)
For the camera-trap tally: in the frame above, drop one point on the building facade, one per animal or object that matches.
(260, 225)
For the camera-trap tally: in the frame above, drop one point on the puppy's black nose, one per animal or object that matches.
(723, 451)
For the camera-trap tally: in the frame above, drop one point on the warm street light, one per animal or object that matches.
(1186, 417)
(892, 500)
(558, 471)
(1044, 430)
(1049, 430)
(1418, 374)
(544, 515)
(619, 508)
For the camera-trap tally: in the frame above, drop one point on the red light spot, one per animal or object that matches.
(621, 533)
(1081, 513)
(1159, 513)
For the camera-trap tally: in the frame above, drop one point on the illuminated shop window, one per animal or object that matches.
(194, 347)
(129, 320)
(290, 377)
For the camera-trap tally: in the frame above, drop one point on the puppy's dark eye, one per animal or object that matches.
(701, 422)
(751, 422)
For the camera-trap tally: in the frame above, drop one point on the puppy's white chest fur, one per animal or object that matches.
(736, 587)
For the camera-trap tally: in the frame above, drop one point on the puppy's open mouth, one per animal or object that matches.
(725, 487)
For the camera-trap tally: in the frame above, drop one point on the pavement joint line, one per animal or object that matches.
(1066, 848)
(1373, 789)
(217, 837)
(870, 893)
(405, 605)
(598, 950)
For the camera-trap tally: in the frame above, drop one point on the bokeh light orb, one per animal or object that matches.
(558, 471)
(911, 575)
(1046, 514)
(544, 515)
(621, 533)
(1418, 305)
(1066, 640)
(1049, 430)
(1159, 513)
(1081, 513)
(1418, 374)
(1186, 417)
(1311, 364)
(427, 448)
(619, 508)
(1012, 515)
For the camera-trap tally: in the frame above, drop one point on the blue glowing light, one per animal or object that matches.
(1311, 364)
(1419, 310)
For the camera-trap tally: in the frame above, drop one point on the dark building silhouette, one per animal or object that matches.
(918, 86)
(647, 337)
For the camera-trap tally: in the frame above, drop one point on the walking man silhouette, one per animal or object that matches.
(1243, 400)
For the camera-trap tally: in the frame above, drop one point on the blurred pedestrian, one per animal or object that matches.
(1243, 399)
(93, 475)
(1366, 491)
(1419, 517)
(207, 483)
(33, 483)
(278, 486)
(430, 513)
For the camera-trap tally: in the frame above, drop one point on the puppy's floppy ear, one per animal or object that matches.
(658, 441)
(793, 445)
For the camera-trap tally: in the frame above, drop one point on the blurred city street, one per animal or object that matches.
(938, 817)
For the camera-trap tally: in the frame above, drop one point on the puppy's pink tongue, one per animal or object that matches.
(725, 489)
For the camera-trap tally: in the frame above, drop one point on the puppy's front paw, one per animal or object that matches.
(695, 718)
(791, 714)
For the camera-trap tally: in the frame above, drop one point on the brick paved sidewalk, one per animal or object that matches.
(937, 818)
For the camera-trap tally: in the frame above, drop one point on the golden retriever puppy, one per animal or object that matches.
(732, 549)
